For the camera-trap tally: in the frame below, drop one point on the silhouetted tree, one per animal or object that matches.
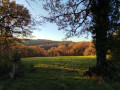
(14, 21)
(76, 17)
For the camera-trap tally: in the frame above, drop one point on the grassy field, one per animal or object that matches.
(59, 73)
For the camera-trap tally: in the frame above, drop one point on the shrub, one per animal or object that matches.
(16, 57)
(110, 72)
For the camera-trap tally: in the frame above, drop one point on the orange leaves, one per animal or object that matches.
(13, 16)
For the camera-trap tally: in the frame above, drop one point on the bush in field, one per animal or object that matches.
(110, 72)
(16, 57)
(7, 54)
(5, 63)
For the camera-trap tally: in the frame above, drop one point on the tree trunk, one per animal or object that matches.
(100, 49)
(101, 40)
(101, 19)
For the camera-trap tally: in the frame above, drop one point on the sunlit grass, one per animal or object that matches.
(58, 73)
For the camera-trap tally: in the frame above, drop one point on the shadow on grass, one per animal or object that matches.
(48, 78)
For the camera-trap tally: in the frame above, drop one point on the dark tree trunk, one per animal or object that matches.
(101, 47)
(101, 40)
(100, 13)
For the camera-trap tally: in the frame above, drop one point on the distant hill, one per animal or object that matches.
(43, 43)
(34, 42)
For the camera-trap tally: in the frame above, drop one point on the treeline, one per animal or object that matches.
(34, 42)
(72, 49)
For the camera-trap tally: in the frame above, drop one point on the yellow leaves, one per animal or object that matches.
(13, 15)
(8, 40)
(5, 2)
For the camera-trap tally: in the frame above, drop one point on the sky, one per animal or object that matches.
(48, 30)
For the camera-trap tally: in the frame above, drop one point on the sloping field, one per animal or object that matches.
(59, 73)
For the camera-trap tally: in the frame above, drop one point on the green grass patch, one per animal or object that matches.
(58, 73)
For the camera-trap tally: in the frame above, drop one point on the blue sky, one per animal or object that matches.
(49, 30)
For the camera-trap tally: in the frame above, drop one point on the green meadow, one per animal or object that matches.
(59, 73)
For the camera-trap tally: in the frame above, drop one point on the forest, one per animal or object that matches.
(54, 49)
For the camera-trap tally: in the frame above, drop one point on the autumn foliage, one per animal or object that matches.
(72, 49)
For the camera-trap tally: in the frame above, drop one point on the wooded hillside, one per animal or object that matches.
(41, 47)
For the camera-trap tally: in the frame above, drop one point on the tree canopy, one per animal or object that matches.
(14, 19)
(100, 17)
